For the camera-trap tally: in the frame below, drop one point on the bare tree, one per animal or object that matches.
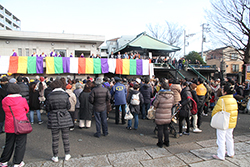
(229, 21)
(169, 33)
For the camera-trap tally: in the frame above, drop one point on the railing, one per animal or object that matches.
(176, 70)
(197, 73)
(202, 66)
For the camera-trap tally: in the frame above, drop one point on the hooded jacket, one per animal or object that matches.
(176, 88)
(146, 92)
(72, 100)
(24, 90)
(163, 103)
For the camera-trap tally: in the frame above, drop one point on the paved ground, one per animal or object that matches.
(136, 147)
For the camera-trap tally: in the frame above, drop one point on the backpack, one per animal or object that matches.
(194, 106)
(135, 99)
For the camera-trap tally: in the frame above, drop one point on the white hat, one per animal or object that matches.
(138, 80)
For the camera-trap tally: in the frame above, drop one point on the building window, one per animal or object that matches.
(34, 51)
(27, 52)
(20, 52)
(235, 67)
(234, 56)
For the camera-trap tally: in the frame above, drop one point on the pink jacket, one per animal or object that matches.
(19, 107)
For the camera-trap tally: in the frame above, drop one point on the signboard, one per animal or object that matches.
(247, 76)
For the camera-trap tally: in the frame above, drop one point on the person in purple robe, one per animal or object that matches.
(14, 53)
(53, 54)
(71, 55)
(58, 54)
(43, 55)
(82, 55)
(34, 55)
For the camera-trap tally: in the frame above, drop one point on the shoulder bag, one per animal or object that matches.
(21, 126)
(221, 119)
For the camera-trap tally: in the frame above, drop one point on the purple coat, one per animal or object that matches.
(14, 54)
(51, 54)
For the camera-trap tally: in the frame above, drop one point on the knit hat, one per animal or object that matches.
(98, 81)
(117, 78)
(68, 86)
(41, 79)
(13, 88)
(12, 80)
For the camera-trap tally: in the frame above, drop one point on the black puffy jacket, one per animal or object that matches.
(186, 103)
(58, 104)
(146, 92)
(24, 90)
(99, 97)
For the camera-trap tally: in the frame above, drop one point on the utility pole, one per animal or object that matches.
(203, 38)
(185, 41)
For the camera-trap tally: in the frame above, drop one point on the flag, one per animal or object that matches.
(81, 65)
(50, 67)
(118, 69)
(145, 64)
(97, 66)
(132, 70)
(125, 66)
(66, 64)
(89, 66)
(73, 65)
(112, 65)
(4, 64)
(105, 66)
(138, 67)
(31, 65)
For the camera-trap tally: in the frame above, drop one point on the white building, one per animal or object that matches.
(8, 21)
(114, 44)
(26, 43)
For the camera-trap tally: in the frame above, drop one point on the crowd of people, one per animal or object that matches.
(69, 101)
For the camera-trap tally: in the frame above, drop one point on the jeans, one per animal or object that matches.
(180, 124)
(32, 115)
(136, 122)
(145, 111)
(117, 113)
(101, 120)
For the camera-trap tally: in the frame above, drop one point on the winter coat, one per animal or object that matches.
(119, 92)
(86, 108)
(135, 108)
(186, 103)
(58, 105)
(3, 94)
(19, 107)
(176, 88)
(230, 106)
(24, 90)
(34, 103)
(146, 92)
(72, 100)
(99, 97)
(77, 93)
(163, 103)
(194, 95)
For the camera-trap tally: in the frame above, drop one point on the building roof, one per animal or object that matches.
(144, 41)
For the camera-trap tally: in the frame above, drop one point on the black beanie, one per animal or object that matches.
(13, 88)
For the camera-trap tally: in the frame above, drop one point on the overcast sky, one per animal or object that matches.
(111, 18)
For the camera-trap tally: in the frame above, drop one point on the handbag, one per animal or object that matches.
(221, 119)
(151, 113)
(21, 126)
(128, 114)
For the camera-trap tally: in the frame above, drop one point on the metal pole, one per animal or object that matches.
(184, 43)
(202, 40)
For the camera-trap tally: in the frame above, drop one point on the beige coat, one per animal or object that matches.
(163, 103)
(72, 100)
(176, 88)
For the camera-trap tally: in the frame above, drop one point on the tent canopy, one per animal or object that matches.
(146, 42)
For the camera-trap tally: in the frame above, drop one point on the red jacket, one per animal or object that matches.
(19, 107)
